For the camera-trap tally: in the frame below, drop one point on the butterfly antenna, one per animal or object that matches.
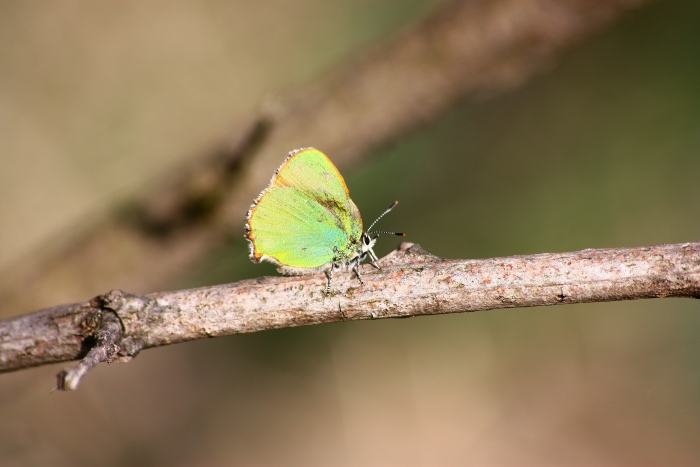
(400, 234)
(383, 214)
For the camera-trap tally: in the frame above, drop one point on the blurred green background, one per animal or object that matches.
(601, 151)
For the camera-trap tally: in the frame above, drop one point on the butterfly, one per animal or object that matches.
(305, 221)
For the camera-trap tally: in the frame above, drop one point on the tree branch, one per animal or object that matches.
(412, 282)
(463, 50)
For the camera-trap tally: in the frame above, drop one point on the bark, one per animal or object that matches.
(465, 49)
(412, 282)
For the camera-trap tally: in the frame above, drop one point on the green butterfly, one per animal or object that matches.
(305, 221)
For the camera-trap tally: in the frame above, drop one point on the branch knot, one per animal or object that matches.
(111, 339)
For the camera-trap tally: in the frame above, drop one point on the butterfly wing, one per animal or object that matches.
(312, 173)
(305, 218)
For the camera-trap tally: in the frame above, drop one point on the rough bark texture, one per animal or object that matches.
(412, 282)
(463, 50)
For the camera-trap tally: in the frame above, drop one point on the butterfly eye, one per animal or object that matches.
(365, 239)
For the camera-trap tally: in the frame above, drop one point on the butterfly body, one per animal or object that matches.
(305, 221)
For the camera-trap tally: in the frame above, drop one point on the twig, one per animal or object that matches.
(465, 49)
(412, 282)
(106, 349)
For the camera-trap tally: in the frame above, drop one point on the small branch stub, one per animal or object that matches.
(109, 342)
(106, 349)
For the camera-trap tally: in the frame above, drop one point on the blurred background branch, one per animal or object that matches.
(464, 49)
(412, 282)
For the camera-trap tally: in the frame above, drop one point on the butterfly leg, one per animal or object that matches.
(374, 259)
(329, 276)
(356, 270)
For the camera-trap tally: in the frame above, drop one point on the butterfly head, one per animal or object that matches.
(366, 244)
(367, 241)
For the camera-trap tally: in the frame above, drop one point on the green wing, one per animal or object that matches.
(312, 173)
(305, 218)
